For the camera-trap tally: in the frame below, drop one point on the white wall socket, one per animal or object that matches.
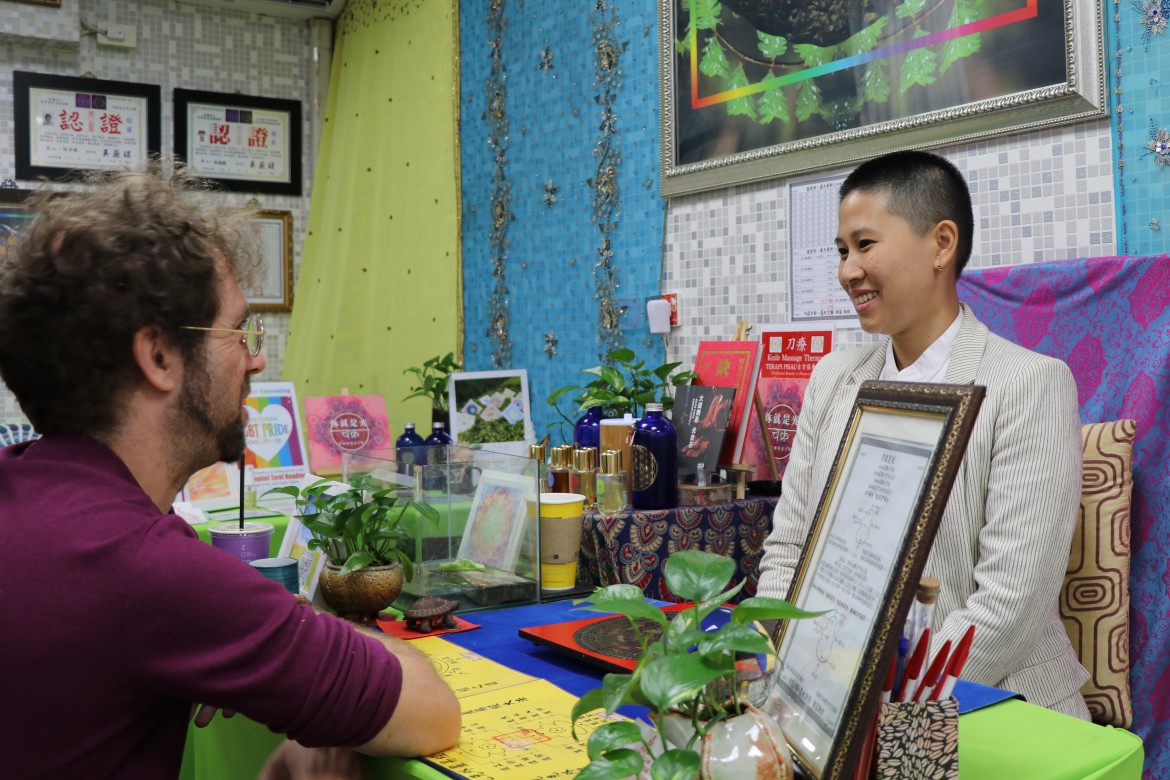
(118, 35)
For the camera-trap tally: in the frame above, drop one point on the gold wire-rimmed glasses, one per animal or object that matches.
(251, 331)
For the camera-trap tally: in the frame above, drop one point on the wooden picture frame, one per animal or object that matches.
(66, 125)
(747, 93)
(898, 459)
(243, 142)
(272, 286)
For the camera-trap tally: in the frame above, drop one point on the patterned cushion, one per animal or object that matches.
(1094, 602)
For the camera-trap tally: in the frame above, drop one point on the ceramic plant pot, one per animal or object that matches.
(364, 592)
(746, 746)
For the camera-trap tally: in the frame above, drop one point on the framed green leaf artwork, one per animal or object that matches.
(756, 89)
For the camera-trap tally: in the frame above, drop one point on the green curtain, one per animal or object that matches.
(379, 284)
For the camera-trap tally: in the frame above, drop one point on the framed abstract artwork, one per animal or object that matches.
(755, 90)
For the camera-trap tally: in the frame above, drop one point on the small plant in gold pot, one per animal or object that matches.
(360, 531)
(691, 681)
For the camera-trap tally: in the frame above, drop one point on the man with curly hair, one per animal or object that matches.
(127, 340)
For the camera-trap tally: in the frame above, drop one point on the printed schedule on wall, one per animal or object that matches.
(814, 290)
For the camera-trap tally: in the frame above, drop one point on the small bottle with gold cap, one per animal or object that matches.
(585, 471)
(536, 453)
(611, 483)
(559, 469)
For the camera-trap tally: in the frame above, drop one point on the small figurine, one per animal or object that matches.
(429, 613)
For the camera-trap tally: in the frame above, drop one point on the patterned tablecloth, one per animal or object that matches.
(633, 546)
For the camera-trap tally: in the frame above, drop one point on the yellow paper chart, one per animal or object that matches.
(514, 725)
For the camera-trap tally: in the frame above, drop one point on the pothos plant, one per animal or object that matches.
(681, 668)
(432, 378)
(359, 526)
(623, 384)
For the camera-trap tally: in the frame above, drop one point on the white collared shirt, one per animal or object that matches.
(931, 365)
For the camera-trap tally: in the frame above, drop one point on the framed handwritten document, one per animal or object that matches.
(246, 143)
(862, 561)
(66, 124)
(271, 286)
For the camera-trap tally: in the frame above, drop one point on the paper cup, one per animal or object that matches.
(282, 570)
(249, 543)
(560, 539)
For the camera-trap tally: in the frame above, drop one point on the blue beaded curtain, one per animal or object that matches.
(1137, 64)
(562, 221)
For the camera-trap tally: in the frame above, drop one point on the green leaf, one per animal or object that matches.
(766, 608)
(424, 509)
(591, 701)
(674, 678)
(321, 529)
(964, 12)
(875, 83)
(675, 764)
(621, 355)
(815, 55)
(742, 106)
(808, 101)
(618, 690)
(287, 490)
(865, 40)
(612, 736)
(625, 600)
(663, 371)
(613, 377)
(910, 8)
(919, 67)
(772, 46)
(694, 575)
(714, 61)
(706, 14)
(614, 765)
(773, 105)
(358, 560)
(735, 638)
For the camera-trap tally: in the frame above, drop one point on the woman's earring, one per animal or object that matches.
(938, 265)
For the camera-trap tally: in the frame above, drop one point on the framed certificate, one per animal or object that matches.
(246, 143)
(65, 124)
(861, 563)
(271, 286)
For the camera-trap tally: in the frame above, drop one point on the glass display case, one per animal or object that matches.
(483, 549)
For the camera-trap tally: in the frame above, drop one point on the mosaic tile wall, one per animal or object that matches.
(1140, 69)
(550, 122)
(179, 45)
(1041, 196)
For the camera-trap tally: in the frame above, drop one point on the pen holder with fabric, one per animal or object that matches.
(917, 739)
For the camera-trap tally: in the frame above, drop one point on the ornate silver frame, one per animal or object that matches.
(1081, 97)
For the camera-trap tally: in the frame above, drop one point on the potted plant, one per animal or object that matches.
(361, 533)
(623, 384)
(690, 675)
(432, 383)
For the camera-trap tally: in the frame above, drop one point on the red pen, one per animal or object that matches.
(889, 686)
(914, 667)
(955, 667)
(931, 676)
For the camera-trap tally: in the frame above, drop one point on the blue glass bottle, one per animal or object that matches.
(406, 452)
(436, 454)
(654, 477)
(587, 431)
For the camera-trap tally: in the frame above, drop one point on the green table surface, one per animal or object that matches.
(1012, 739)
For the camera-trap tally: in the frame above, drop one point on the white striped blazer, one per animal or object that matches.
(1003, 543)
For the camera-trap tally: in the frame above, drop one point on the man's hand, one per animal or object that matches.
(203, 713)
(293, 761)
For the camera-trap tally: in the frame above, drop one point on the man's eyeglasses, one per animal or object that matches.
(251, 331)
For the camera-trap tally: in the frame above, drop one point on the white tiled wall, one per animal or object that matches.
(178, 45)
(1045, 195)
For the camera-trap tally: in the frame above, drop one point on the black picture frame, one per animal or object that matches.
(897, 431)
(237, 172)
(32, 164)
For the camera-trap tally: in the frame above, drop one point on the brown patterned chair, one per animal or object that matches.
(1094, 601)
